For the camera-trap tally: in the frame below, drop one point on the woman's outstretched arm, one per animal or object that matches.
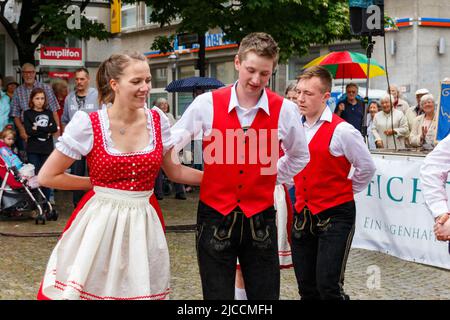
(53, 175)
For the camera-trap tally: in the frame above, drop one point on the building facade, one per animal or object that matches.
(417, 53)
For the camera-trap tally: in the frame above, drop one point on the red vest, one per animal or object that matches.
(240, 169)
(324, 182)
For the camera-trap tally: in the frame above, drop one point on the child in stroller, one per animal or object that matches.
(20, 195)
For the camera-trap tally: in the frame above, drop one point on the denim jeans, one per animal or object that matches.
(78, 168)
(222, 239)
(38, 160)
(320, 247)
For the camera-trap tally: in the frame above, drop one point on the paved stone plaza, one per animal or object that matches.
(369, 275)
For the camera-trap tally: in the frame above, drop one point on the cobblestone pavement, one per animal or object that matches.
(369, 275)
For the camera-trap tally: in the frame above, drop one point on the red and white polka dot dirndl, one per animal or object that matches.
(114, 245)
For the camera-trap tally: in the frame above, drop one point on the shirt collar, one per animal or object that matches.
(263, 102)
(325, 116)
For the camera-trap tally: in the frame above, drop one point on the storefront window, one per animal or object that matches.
(159, 77)
(224, 71)
(128, 16)
(184, 100)
(186, 71)
(148, 14)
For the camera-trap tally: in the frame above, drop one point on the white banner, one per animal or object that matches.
(391, 215)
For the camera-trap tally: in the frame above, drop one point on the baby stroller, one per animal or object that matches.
(21, 199)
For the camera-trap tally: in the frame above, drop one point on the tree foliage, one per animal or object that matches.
(294, 24)
(47, 20)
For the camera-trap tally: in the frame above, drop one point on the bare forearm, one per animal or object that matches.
(65, 181)
(186, 175)
(53, 175)
(179, 173)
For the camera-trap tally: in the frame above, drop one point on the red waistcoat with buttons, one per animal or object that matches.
(324, 182)
(240, 169)
(135, 171)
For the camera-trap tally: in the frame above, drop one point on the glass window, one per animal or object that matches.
(296, 64)
(148, 13)
(183, 101)
(128, 16)
(159, 77)
(186, 71)
(73, 42)
(224, 71)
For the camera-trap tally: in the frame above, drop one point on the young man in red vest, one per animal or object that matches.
(324, 218)
(243, 126)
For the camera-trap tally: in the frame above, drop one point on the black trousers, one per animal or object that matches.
(222, 239)
(320, 247)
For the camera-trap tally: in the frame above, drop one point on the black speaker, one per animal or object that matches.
(367, 17)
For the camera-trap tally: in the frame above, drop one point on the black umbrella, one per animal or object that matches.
(193, 83)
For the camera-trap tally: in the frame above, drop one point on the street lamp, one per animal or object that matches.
(173, 60)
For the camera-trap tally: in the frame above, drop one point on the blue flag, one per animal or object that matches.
(443, 127)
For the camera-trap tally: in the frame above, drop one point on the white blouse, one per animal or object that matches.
(433, 177)
(78, 137)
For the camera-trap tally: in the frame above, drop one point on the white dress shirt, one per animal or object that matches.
(433, 177)
(200, 114)
(78, 137)
(348, 142)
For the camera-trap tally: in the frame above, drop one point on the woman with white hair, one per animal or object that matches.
(163, 105)
(389, 125)
(424, 126)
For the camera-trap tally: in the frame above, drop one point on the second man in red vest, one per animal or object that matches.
(324, 218)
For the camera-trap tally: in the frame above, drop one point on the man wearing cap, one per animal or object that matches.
(415, 111)
(351, 109)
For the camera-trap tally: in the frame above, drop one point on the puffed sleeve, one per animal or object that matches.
(78, 137)
(166, 137)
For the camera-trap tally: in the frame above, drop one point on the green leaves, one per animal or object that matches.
(48, 20)
(294, 24)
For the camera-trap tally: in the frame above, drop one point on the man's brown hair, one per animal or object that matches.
(320, 72)
(260, 43)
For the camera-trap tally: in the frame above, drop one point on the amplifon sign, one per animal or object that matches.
(60, 56)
